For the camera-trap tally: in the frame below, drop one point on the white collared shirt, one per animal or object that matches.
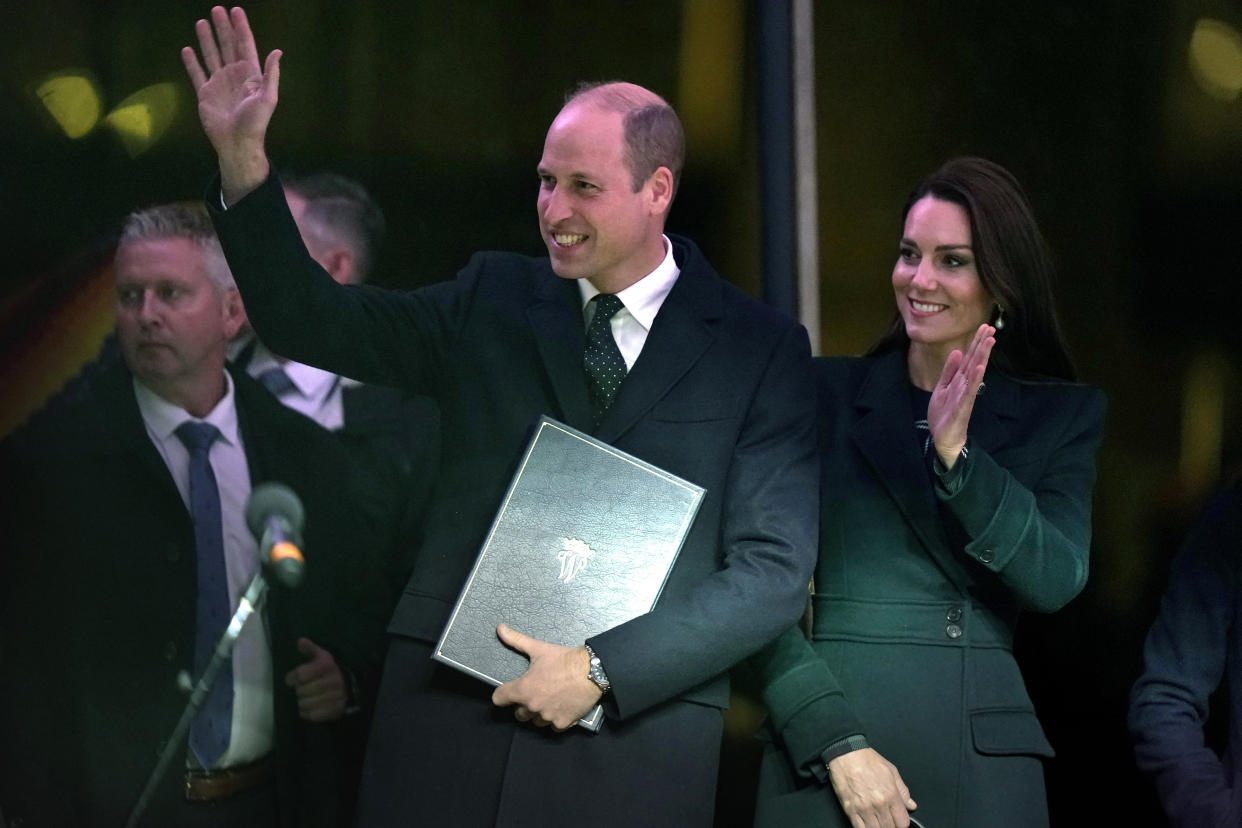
(642, 301)
(253, 731)
(316, 393)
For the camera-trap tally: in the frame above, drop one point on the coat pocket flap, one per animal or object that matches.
(1009, 733)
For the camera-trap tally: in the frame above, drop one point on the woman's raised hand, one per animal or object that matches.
(953, 398)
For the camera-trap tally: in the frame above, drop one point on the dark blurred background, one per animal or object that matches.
(1121, 118)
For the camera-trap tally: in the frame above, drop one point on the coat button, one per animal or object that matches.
(986, 556)
(170, 651)
(953, 631)
(954, 614)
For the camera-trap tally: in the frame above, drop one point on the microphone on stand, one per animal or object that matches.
(275, 517)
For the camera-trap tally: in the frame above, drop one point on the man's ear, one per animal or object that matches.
(339, 262)
(234, 313)
(660, 186)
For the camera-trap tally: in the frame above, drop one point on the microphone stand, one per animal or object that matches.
(252, 601)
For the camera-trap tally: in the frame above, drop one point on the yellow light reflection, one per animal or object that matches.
(142, 118)
(1205, 390)
(72, 100)
(1216, 58)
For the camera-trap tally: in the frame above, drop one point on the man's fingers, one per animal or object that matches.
(192, 67)
(207, 47)
(225, 35)
(308, 672)
(502, 696)
(514, 639)
(317, 686)
(271, 75)
(244, 41)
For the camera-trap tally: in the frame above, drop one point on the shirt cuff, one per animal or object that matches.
(838, 748)
(949, 480)
(353, 697)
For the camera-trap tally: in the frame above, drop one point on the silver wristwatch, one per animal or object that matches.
(597, 673)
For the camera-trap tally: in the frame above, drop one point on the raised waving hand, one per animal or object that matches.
(953, 398)
(236, 97)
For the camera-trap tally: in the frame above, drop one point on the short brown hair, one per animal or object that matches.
(652, 131)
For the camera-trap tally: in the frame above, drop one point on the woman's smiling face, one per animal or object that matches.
(936, 282)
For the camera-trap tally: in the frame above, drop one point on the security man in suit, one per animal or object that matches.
(129, 550)
(623, 331)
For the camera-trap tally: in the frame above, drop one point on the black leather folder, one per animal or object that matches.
(584, 540)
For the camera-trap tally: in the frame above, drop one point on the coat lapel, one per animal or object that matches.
(118, 430)
(681, 332)
(884, 434)
(995, 410)
(556, 322)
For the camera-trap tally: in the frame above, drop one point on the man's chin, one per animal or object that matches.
(565, 271)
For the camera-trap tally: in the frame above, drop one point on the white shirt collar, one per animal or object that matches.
(163, 417)
(311, 382)
(643, 298)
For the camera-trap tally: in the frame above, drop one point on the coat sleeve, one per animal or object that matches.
(807, 707)
(1036, 539)
(366, 333)
(1184, 659)
(768, 528)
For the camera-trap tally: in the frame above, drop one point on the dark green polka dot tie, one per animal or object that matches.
(602, 360)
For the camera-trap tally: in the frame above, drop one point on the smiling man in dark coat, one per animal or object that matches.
(716, 389)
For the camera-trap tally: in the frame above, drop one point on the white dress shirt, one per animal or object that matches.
(253, 731)
(316, 393)
(642, 301)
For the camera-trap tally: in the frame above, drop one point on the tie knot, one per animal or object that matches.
(606, 306)
(277, 381)
(197, 436)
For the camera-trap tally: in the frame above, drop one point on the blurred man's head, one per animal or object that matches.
(176, 304)
(340, 224)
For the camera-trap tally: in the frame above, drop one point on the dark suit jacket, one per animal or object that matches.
(720, 396)
(98, 609)
(918, 593)
(394, 438)
(1192, 651)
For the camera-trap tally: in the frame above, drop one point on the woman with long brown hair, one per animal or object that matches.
(957, 471)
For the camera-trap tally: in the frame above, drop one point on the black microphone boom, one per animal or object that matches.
(275, 517)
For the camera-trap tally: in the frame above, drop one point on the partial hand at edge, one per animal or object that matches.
(953, 398)
(870, 790)
(236, 97)
(554, 690)
(319, 684)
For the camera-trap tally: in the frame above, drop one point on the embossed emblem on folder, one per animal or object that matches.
(574, 556)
